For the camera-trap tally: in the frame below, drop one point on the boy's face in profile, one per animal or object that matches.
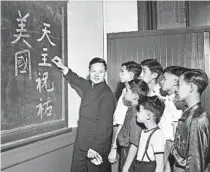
(142, 115)
(184, 88)
(129, 95)
(169, 82)
(146, 74)
(125, 75)
(97, 73)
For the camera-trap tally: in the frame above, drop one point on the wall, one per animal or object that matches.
(188, 47)
(50, 155)
(85, 37)
(120, 16)
(85, 40)
(199, 13)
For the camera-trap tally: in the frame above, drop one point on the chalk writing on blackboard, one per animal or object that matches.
(23, 63)
(21, 31)
(32, 90)
(44, 58)
(45, 33)
(42, 83)
(44, 108)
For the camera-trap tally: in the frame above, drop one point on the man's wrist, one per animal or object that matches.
(65, 70)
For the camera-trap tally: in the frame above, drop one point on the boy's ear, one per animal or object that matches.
(131, 75)
(193, 87)
(135, 96)
(175, 82)
(148, 115)
(154, 75)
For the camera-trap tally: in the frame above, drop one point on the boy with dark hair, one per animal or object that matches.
(133, 67)
(129, 71)
(128, 137)
(94, 132)
(171, 114)
(151, 145)
(191, 148)
(151, 70)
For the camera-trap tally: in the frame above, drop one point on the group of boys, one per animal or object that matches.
(161, 127)
(157, 127)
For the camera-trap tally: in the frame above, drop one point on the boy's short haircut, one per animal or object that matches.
(140, 87)
(153, 65)
(197, 77)
(154, 105)
(175, 70)
(98, 60)
(134, 67)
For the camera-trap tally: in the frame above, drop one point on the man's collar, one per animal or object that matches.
(98, 84)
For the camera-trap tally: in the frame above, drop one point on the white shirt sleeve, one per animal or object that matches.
(120, 111)
(158, 142)
(176, 113)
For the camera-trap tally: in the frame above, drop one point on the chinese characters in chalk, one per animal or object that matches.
(23, 61)
(42, 83)
(22, 31)
(44, 108)
(45, 33)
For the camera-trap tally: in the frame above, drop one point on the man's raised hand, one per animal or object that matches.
(58, 62)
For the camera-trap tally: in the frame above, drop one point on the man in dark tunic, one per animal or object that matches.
(94, 132)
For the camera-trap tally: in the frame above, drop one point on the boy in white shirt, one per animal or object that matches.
(152, 141)
(151, 71)
(129, 71)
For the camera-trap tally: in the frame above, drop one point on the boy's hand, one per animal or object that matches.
(58, 62)
(112, 156)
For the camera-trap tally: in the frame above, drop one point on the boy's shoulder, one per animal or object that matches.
(158, 136)
(201, 118)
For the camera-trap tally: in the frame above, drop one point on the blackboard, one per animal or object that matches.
(33, 90)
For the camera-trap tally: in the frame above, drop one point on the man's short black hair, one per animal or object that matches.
(197, 77)
(98, 60)
(134, 67)
(153, 65)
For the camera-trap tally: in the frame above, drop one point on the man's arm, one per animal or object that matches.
(198, 146)
(78, 83)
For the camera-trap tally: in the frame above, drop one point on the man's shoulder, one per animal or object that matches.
(108, 92)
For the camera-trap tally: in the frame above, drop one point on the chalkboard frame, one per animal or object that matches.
(15, 138)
